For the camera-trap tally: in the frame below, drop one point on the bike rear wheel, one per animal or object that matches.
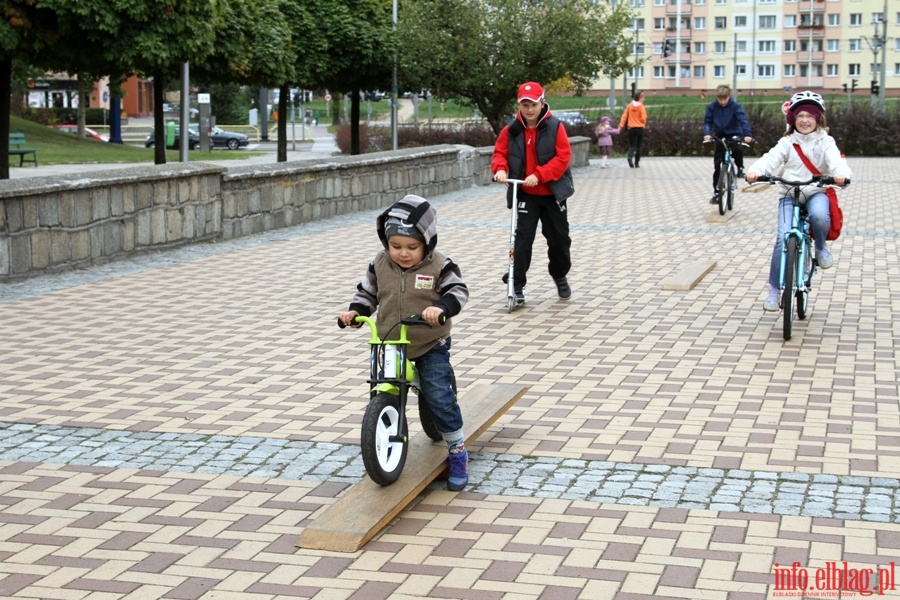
(384, 459)
(732, 183)
(720, 187)
(790, 287)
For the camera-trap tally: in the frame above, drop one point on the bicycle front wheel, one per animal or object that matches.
(790, 287)
(720, 187)
(383, 458)
(732, 184)
(803, 295)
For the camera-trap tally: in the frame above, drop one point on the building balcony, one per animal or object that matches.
(815, 31)
(814, 6)
(814, 56)
(684, 59)
(685, 9)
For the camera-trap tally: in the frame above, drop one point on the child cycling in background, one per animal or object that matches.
(725, 118)
(807, 131)
(604, 132)
(410, 277)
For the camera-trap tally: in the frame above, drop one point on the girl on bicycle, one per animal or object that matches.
(806, 134)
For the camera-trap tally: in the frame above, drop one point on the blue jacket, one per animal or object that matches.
(725, 121)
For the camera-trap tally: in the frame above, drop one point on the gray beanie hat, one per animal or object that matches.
(395, 226)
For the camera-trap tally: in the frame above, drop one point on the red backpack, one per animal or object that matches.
(837, 215)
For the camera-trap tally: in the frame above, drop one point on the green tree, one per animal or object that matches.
(481, 50)
(25, 30)
(356, 53)
(146, 37)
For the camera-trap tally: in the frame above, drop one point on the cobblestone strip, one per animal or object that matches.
(727, 490)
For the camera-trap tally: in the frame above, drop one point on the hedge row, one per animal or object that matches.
(859, 129)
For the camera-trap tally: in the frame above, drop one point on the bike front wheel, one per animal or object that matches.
(790, 287)
(384, 458)
(720, 187)
(732, 184)
(803, 296)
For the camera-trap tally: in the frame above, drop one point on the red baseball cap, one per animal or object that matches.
(531, 91)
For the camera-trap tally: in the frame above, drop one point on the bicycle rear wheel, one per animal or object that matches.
(384, 459)
(720, 187)
(790, 286)
(732, 183)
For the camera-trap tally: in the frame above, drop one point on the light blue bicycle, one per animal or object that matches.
(798, 263)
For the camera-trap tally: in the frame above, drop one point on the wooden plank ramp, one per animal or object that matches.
(367, 507)
(689, 276)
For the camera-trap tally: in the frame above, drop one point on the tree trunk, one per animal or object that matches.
(354, 123)
(283, 92)
(82, 108)
(5, 90)
(159, 127)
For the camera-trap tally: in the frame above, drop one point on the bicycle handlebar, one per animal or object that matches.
(734, 138)
(819, 180)
(410, 320)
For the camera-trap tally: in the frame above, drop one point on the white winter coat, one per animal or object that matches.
(782, 160)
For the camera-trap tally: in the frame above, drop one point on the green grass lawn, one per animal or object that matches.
(60, 148)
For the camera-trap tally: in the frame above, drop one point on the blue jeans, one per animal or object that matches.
(436, 381)
(820, 219)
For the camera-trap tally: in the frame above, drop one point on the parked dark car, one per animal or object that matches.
(227, 139)
(193, 139)
(573, 119)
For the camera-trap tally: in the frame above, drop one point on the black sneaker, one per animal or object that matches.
(630, 162)
(714, 199)
(562, 287)
(520, 297)
(740, 173)
(505, 277)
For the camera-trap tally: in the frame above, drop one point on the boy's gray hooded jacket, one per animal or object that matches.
(397, 293)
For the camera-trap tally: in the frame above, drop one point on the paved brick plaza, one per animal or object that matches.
(169, 425)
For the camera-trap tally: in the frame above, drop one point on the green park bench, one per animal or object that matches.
(17, 147)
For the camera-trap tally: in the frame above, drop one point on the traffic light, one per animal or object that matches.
(307, 96)
(845, 87)
(666, 50)
(875, 88)
(853, 85)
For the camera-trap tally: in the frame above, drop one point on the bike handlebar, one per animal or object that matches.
(734, 138)
(410, 320)
(819, 180)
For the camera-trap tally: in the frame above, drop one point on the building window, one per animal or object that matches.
(741, 70)
(854, 70)
(767, 47)
(637, 3)
(699, 2)
(721, 22)
(896, 68)
(659, 72)
(767, 1)
(790, 70)
(740, 21)
(700, 23)
(699, 47)
(790, 45)
(740, 46)
(719, 71)
(700, 71)
(721, 2)
(767, 71)
(855, 19)
(638, 49)
(833, 45)
(790, 21)
(832, 70)
(659, 24)
(878, 17)
(856, 45)
(637, 24)
(767, 22)
(719, 48)
(805, 70)
(834, 20)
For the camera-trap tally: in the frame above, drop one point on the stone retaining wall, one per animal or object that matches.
(72, 222)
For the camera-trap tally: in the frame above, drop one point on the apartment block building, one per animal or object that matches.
(758, 46)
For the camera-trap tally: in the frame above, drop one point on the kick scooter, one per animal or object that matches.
(510, 285)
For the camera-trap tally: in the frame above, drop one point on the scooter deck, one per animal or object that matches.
(367, 507)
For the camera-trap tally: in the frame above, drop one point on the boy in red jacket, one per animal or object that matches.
(534, 147)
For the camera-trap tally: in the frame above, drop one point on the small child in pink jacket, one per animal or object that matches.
(604, 133)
